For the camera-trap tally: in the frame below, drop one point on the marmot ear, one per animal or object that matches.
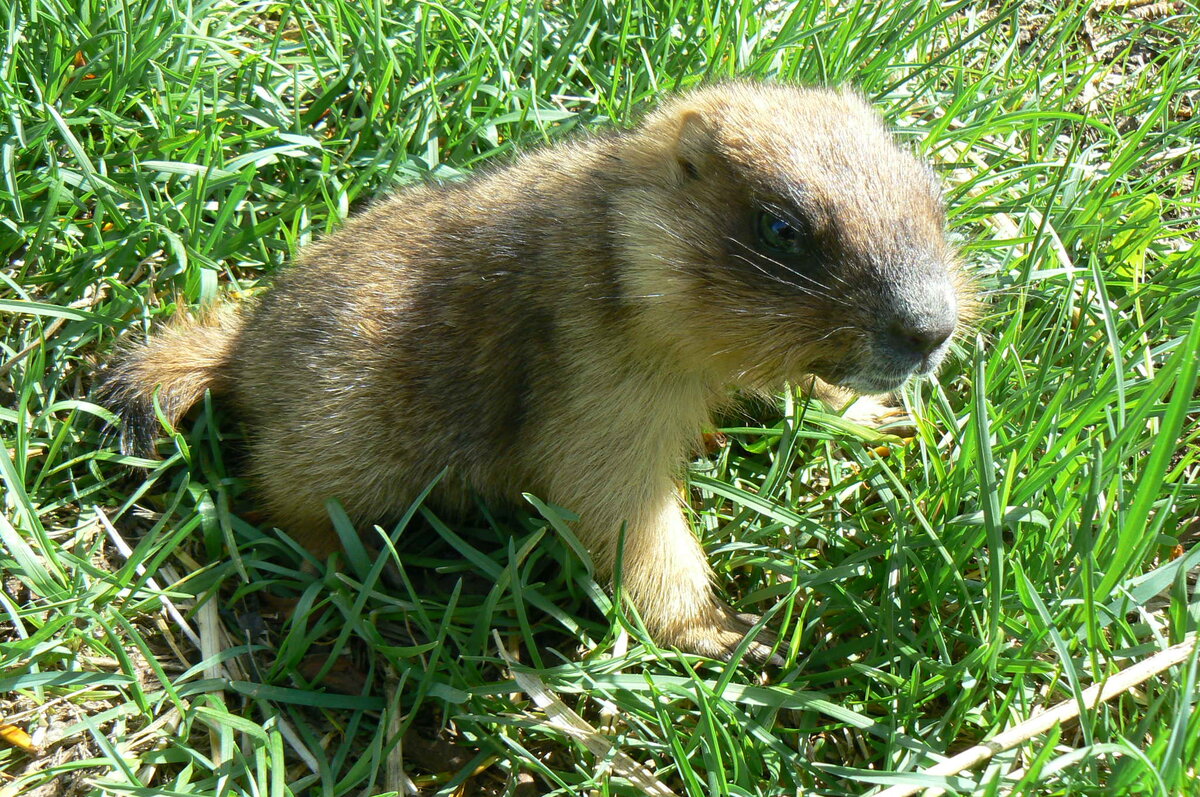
(694, 139)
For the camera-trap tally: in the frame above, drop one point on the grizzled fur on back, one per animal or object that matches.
(566, 325)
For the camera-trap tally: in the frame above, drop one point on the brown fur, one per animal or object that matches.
(567, 324)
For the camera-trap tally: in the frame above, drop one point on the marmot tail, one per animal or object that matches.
(175, 367)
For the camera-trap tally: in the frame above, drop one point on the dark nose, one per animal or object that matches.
(922, 337)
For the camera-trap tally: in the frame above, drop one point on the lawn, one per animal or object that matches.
(1035, 535)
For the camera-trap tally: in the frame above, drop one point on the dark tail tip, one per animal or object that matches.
(157, 380)
(137, 425)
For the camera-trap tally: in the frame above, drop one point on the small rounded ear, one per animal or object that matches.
(694, 140)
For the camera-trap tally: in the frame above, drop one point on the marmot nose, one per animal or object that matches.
(922, 337)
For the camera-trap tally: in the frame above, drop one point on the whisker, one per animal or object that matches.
(781, 265)
(782, 281)
(832, 332)
(797, 287)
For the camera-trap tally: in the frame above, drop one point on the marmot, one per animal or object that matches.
(566, 324)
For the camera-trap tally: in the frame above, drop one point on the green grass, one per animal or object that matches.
(1038, 535)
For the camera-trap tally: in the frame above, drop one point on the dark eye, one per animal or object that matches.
(778, 235)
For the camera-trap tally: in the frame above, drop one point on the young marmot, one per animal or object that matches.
(565, 326)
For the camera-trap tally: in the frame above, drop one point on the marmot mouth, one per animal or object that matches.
(861, 379)
(880, 367)
(875, 383)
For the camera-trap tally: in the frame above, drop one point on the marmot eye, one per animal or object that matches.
(778, 235)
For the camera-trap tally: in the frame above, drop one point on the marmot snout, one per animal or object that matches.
(566, 325)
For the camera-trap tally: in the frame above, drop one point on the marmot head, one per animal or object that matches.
(787, 233)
